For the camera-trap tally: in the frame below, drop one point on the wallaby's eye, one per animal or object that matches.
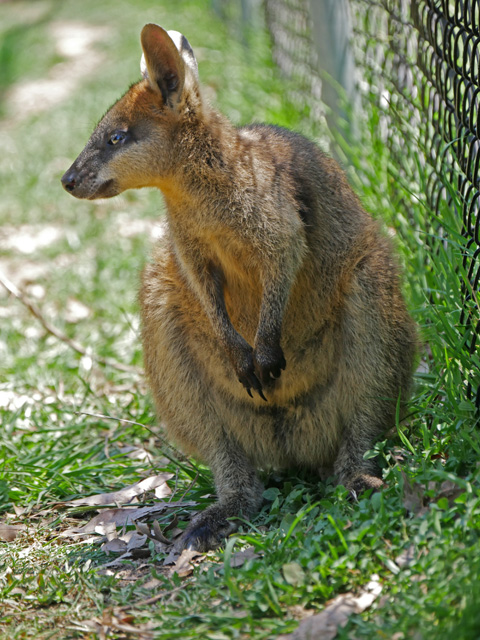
(117, 137)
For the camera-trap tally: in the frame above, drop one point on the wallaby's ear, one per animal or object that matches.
(164, 68)
(186, 51)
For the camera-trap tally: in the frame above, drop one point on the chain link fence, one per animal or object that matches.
(423, 57)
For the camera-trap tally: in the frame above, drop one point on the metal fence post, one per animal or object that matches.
(331, 35)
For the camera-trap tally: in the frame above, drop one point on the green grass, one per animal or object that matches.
(311, 542)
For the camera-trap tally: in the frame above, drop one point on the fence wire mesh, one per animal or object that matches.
(419, 62)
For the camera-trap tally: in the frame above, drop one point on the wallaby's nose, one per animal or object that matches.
(69, 180)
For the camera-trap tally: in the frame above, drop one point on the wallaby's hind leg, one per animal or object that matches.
(239, 495)
(350, 468)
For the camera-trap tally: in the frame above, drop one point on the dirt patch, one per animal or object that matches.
(74, 41)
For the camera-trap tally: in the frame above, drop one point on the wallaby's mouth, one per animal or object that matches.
(106, 190)
(88, 189)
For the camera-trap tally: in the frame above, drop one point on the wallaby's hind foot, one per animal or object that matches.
(356, 473)
(209, 528)
(363, 482)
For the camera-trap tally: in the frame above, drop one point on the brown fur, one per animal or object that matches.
(270, 279)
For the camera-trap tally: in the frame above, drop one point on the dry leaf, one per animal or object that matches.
(8, 532)
(118, 561)
(128, 542)
(114, 546)
(175, 533)
(137, 453)
(124, 516)
(118, 620)
(413, 495)
(171, 525)
(142, 528)
(109, 530)
(134, 540)
(158, 534)
(163, 491)
(406, 558)
(183, 567)
(119, 517)
(151, 584)
(172, 557)
(450, 490)
(240, 557)
(293, 573)
(325, 625)
(125, 495)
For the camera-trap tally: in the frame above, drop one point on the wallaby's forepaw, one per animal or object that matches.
(246, 375)
(206, 531)
(269, 363)
(258, 368)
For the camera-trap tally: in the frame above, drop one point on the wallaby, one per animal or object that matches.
(275, 334)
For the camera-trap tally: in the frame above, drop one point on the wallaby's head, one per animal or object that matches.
(133, 146)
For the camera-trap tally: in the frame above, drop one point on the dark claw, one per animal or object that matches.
(257, 385)
(260, 393)
(253, 382)
(248, 376)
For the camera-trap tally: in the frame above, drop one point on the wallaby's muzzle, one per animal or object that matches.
(86, 185)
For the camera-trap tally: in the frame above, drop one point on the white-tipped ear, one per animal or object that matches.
(185, 50)
(143, 68)
(161, 63)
